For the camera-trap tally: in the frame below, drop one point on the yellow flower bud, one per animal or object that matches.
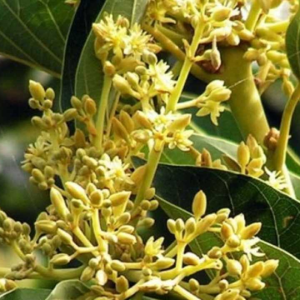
(101, 277)
(118, 265)
(142, 120)
(233, 241)
(250, 231)
(141, 136)
(215, 253)
(38, 175)
(222, 215)
(230, 294)
(59, 203)
(36, 90)
(255, 284)
(64, 236)
(87, 274)
(50, 94)
(126, 238)
(269, 267)
(122, 284)
(109, 69)
(46, 226)
(133, 79)
(150, 193)
(164, 263)
(147, 222)
(234, 267)
(254, 168)
(119, 201)
(90, 106)
(124, 218)
(70, 114)
(199, 205)
(192, 259)
(180, 123)
(179, 225)
(206, 223)
(122, 85)
(251, 54)
(194, 285)
(221, 13)
(171, 224)
(119, 129)
(96, 197)
(256, 269)
(206, 159)
(76, 103)
(76, 191)
(127, 229)
(243, 156)
(223, 285)
(190, 226)
(60, 259)
(126, 121)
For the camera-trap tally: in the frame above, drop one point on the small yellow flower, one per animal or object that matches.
(276, 179)
(211, 108)
(136, 42)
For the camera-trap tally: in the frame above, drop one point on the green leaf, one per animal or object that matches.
(279, 213)
(34, 32)
(282, 285)
(77, 36)
(89, 74)
(68, 290)
(26, 294)
(218, 148)
(293, 161)
(293, 44)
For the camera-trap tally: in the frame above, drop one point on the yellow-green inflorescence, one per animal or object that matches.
(100, 203)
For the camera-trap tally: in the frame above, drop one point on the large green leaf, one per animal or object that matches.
(279, 213)
(89, 74)
(34, 32)
(283, 285)
(218, 148)
(293, 44)
(68, 290)
(26, 294)
(79, 31)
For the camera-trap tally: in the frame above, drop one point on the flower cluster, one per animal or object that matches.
(210, 102)
(101, 204)
(221, 22)
(99, 229)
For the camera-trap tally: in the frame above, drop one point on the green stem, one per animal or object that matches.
(103, 247)
(58, 275)
(245, 101)
(77, 231)
(170, 46)
(280, 153)
(151, 167)
(102, 111)
(184, 293)
(186, 68)
(253, 16)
